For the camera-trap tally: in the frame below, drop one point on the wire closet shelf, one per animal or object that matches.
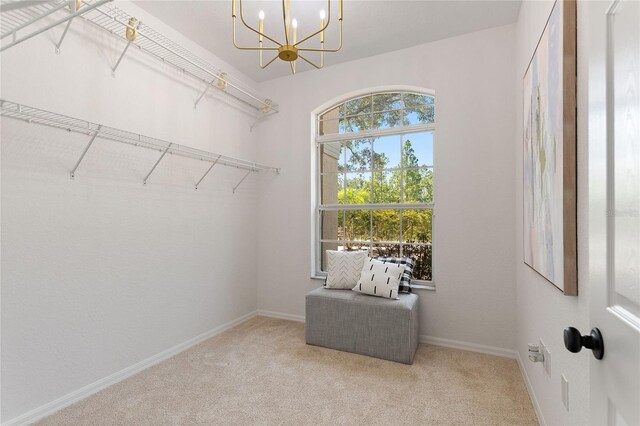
(17, 17)
(93, 130)
(20, 15)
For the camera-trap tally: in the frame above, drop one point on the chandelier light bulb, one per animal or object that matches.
(294, 23)
(323, 14)
(261, 15)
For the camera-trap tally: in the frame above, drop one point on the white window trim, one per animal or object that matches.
(315, 259)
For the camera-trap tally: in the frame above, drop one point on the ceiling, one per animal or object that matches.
(371, 27)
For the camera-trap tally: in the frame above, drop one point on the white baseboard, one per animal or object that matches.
(280, 315)
(436, 341)
(532, 395)
(75, 396)
(473, 347)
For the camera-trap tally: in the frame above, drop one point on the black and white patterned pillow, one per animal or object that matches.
(405, 282)
(380, 279)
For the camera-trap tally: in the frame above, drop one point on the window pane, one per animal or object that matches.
(417, 149)
(332, 225)
(386, 187)
(358, 225)
(357, 106)
(332, 126)
(358, 155)
(331, 185)
(386, 250)
(385, 120)
(386, 225)
(386, 152)
(422, 258)
(411, 100)
(328, 122)
(358, 190)
(416, 226)
(355, 246)
(418, 186)
(355, 124)
(387, 101)
(422, 115)
(332, 113)
(331, 157)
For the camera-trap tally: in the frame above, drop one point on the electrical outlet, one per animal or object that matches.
(564, 385)
(546, 363)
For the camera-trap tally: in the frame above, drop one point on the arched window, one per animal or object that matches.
(374, 177)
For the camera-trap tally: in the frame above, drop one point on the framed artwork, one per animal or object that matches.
(549, 167)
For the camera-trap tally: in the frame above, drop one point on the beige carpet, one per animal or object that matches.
(262, 373)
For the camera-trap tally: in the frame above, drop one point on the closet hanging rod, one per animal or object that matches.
(34, 115)
(115, 21)
(18, 15)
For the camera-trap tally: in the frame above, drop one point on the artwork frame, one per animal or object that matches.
(549, 152)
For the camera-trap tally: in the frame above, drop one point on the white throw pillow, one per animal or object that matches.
(380, 278)
(343, 268)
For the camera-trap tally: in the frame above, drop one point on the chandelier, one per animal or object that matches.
(290, 50)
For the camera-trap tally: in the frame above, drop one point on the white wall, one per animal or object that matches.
(475, 149)
(543, 311)
(102, 272)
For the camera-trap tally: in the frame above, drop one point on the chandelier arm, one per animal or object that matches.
(253, 29)
(269, 63)
(255, 48)
(284, 21)
(322, 29)
(293, 70)
(247, 47)
(309, 62)
(309, 49)
(258, 49)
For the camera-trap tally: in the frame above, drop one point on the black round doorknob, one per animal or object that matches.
(574, 341)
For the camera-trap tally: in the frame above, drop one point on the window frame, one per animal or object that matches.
(318, 207)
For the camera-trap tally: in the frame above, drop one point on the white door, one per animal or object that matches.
(614, 207)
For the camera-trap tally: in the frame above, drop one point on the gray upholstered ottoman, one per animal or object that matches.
(362, 324)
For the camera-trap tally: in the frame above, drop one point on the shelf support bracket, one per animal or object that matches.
(241, 180)
(144, 182)
(208, 170)
(258, 121)
(204, 92)
(115, 67)
(84, 152)
(131, 34)
(64, 34)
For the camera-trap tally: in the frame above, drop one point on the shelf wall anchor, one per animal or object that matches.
(144, 182)
(208, 170)
(241, 180)
(84, 152)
